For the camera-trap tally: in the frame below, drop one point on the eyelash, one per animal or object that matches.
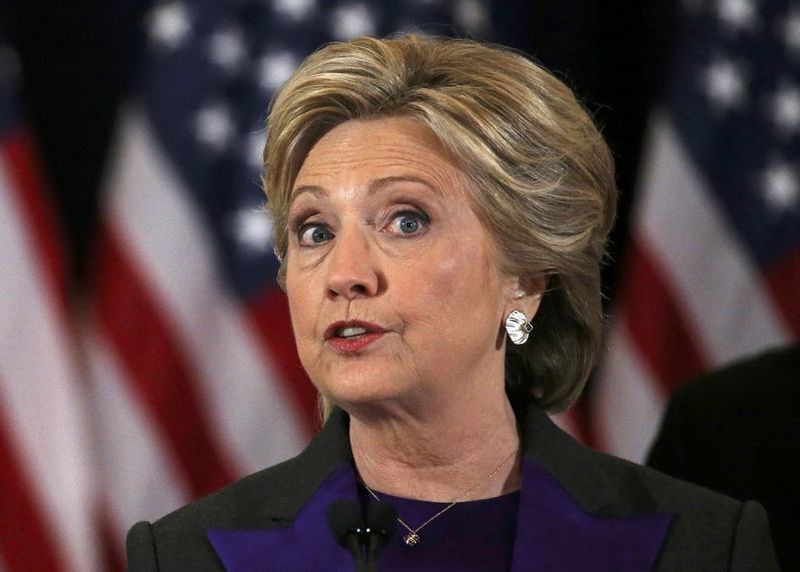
(410, 213)
(303, 228)
(422, 219)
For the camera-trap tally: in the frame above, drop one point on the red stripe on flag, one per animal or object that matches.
(581, 415)
(655, 320)
(270, 316)
(783, 283)
(160, 374)
(111, 557)
(25, 541)
(35, 210)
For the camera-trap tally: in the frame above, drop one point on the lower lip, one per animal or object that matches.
(350, 345)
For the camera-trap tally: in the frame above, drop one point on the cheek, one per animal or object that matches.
(458, 287)
(301, 309)
(444, 277)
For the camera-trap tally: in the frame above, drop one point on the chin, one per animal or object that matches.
(355, 391)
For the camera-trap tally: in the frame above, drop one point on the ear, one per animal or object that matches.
(525, 295)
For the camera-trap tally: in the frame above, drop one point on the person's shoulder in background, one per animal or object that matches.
(737, 431)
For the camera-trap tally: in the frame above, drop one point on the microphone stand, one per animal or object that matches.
(381, 522)
(354, 544)
(348, 528)
(375, 543)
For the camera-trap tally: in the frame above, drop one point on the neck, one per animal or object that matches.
(440, 456)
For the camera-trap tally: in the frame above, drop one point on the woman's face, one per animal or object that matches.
(393, 282)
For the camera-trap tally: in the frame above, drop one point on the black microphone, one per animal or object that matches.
(347, 525)
(381, 522)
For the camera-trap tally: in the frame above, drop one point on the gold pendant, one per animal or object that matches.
(411, 539)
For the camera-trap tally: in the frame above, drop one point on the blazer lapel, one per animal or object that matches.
(306, 544)
(289, 526)
(573, 516)
(554, 533)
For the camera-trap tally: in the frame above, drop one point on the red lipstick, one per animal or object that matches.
(352, 335)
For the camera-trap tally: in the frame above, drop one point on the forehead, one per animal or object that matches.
(358, 151)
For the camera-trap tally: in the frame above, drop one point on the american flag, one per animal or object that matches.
(713, 268)
(46, 509)
(192, 362)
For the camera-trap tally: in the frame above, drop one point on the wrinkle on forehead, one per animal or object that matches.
(375, 186)
(398, 147)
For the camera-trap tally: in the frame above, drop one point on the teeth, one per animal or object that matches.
(350, 332)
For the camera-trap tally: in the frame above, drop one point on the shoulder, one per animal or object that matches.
(769, 376)
(267, 499)
(178, 540)
(709, 531)
(613, 486)
(240, 504)
(734, 428)
(653, 491)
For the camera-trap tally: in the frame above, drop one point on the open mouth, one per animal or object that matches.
(350, 332)
(352, 335)
(351, 329)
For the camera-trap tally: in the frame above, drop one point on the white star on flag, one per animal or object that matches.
(352, 21)
(725, 84)
(214, 127)
(169, 24)
(227, 49)
(786, 109)
(471, 14)
(791, 30)
(253, 229)
(254, 152)
(275, 68)
(781, 186)
(737, 14)
(294, 9)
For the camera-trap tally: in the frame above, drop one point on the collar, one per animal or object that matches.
(573, 515)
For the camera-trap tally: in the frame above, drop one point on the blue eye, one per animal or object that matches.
(313, 234)
(408, 223)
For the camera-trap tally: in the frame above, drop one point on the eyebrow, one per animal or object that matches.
(375, 186)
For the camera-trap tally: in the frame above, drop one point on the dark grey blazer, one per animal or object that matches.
(579, 510)
(747, 416)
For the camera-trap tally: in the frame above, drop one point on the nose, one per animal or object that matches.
(351, 267)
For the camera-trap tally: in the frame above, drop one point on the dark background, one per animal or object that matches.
(78, 55)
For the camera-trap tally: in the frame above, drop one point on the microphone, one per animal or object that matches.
(347, 526)
(381, 522)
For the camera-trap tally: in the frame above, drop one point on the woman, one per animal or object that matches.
(441, 210)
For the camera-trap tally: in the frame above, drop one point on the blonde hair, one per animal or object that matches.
(538, 169)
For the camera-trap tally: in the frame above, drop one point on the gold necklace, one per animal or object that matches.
(413, 538)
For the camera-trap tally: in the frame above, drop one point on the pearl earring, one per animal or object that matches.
(518, 327)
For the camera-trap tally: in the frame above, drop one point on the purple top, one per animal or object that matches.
(553, 533)
(475, 535)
